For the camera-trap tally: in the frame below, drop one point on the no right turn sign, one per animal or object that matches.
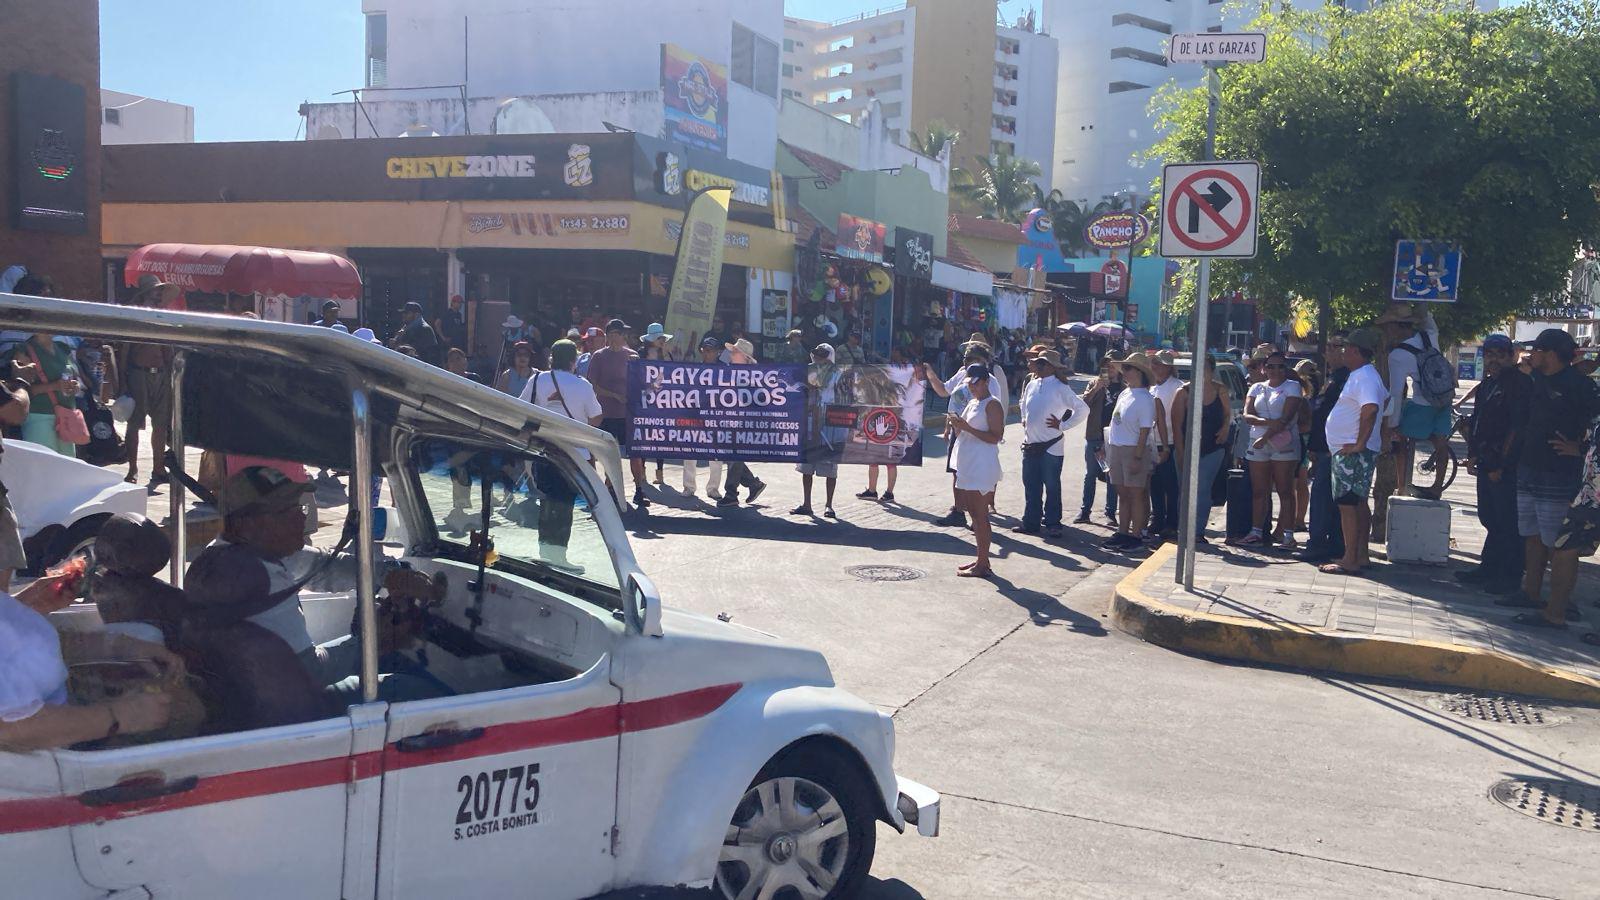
(1209, 209)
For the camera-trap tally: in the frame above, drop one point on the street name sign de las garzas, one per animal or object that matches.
(1208, 209)
(1249, 46)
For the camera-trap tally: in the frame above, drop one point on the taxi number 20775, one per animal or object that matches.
(498, 800)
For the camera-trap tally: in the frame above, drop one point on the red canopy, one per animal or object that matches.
(221, 268)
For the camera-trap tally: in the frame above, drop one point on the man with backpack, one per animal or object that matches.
(1424, 412)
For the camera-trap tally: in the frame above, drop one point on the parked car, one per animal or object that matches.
(61, 502)
(1229, 372)
(579, 738)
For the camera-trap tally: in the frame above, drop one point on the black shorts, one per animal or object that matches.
(617, 428)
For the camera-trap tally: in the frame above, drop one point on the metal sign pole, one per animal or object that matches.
(1197, 388)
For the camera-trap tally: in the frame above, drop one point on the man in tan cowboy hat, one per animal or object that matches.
(1128, 440)
(144, 372)
(1050, 407)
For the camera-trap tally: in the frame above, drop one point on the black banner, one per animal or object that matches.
(913, 253)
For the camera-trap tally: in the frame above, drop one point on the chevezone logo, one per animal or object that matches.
(51, 155)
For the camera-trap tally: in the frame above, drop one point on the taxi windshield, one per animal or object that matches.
(541, 524)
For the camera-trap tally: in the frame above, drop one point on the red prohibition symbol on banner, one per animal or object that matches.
(1209, 192)
(881, 426)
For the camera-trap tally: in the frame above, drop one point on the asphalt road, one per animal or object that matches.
(1076, 761)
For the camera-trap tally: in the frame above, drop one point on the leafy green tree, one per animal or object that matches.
(1418, 119)
(1002, 187)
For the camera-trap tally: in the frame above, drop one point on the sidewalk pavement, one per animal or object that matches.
(1412, 622)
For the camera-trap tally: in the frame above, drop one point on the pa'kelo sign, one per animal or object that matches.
(716, 412)
(48, 131)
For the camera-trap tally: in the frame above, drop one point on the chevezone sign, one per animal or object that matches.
(520, 166)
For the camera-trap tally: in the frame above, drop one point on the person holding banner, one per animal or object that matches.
(978, 430)
(739, 353)
(608, 372)
(822, 377)
(710, 350)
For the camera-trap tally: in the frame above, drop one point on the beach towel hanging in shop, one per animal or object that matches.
(841, 414)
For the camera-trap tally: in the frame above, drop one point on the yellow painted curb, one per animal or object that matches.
(1287, 644)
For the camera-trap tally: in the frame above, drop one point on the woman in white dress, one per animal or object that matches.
(978, 430)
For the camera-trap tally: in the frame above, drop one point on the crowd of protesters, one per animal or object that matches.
(1304, 445)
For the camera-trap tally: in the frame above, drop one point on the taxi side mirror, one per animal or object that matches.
(646, 604)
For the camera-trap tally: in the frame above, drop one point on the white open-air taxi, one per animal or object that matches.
(583, 739)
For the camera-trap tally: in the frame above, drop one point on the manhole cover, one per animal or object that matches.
(886, 573)
(1569, 803)
(1495, 708)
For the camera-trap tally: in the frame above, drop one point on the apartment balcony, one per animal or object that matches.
(863, 53)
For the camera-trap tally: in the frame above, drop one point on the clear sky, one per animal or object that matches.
(247, 65)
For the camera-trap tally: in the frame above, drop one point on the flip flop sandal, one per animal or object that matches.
(1336, 569)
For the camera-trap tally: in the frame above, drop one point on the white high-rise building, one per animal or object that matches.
(1113, 56)
(512, 48)
(894, 57)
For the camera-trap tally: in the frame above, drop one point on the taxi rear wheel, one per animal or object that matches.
(804, 830)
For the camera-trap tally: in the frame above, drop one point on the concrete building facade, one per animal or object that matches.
(501, 49)
(132, 119)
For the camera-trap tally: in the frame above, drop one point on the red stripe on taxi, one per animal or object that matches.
(44, 813)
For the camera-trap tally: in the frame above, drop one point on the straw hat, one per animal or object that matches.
(1398, 314)
(1142, 363)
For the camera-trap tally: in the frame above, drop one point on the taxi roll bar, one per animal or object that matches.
(175, 491)
(361, 496)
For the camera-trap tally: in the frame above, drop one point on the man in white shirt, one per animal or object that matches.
(560, 391)
(1132, 423)
(1164, 477)
(1049, 408)
(1354, 440)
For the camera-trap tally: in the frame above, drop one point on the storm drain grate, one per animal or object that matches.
(886, 573)
(1559, 802)
(1495, 708)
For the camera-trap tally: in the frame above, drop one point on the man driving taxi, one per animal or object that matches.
(264, 511)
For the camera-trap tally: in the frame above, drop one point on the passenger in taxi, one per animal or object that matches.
(35, 711)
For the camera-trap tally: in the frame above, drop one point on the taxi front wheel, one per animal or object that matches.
(803, 831)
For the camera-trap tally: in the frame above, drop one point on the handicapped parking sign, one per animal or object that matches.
(1426, 271)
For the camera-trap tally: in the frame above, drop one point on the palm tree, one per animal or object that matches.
(1069, 218)
(1002, 187)
(932, 142)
